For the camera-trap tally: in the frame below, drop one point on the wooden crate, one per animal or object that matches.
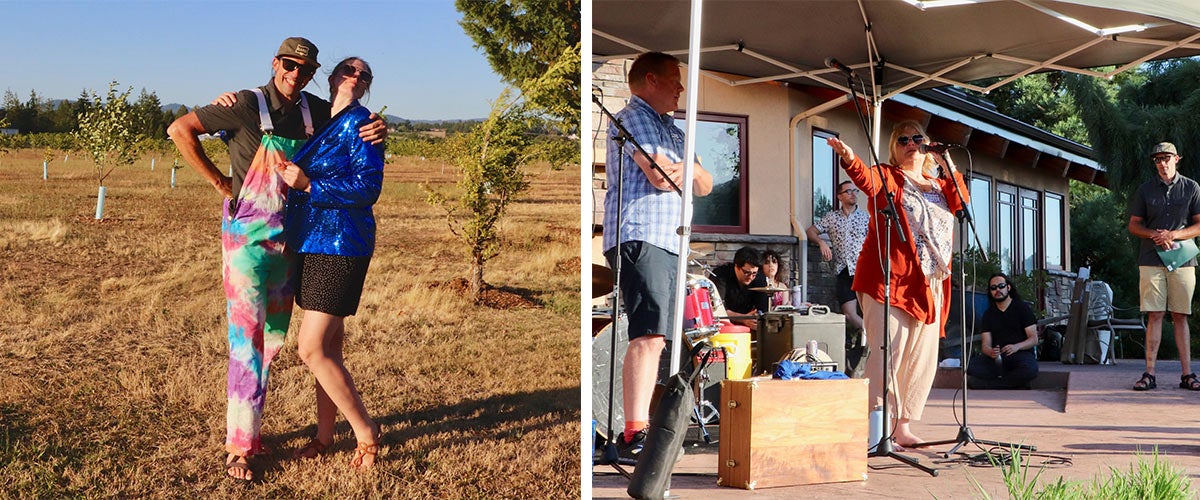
(792, 432)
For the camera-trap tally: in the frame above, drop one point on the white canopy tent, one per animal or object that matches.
(896, 45)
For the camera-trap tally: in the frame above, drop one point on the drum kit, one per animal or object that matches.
(703, 317)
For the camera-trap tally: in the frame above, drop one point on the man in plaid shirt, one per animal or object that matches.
(645, 241)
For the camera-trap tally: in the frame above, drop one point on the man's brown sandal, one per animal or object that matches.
(233, 463)
(311, 450)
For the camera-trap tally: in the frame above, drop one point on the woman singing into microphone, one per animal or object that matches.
(920, 268)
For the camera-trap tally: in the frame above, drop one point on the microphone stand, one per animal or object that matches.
(965, 222)
(884, 448)
(611, 456)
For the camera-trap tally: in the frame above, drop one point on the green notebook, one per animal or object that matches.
(1180, 254)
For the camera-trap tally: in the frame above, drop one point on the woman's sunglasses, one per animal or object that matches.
(363, 75)
(290, 65)
(916, 139)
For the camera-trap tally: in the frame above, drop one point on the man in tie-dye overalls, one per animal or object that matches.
(264, 126)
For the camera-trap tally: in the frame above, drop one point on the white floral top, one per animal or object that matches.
(846, 235)
(932, 227)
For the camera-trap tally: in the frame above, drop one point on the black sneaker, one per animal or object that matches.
(632, 448)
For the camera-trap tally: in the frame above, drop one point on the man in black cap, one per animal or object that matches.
(1165, 212)
(264, 127)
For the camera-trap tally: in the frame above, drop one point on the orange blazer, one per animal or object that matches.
(910, 288)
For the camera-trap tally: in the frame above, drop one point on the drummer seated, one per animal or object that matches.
(734, 281)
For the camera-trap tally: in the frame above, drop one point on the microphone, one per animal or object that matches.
(831, 62)
(937, 147)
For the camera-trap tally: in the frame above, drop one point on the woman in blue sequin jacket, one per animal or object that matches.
(335, 180)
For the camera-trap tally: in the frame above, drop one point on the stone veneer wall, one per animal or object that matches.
(1057, 293)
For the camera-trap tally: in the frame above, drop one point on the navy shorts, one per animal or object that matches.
(647, 286)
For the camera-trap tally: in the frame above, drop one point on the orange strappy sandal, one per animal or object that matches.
(362, 451)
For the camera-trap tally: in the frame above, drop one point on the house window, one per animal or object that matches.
(1030, 220)
(824, 174)
(981, 212)
(1006, 226)
(721, 143)
(1054, 231)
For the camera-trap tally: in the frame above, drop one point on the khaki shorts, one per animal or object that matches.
(1163, 290)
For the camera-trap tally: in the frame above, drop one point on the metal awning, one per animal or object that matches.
(919, 44)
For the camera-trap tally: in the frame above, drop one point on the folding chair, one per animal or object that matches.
(1100, 317)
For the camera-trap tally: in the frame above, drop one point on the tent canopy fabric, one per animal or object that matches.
(918, 44)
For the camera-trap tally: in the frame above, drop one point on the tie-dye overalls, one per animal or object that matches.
(257, 273)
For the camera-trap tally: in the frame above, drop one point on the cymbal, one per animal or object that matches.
(602, 280)
(767, 289)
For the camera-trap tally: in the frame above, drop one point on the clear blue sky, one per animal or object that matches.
(189, 51)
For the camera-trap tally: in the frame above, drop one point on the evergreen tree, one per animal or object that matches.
(149, 115)
(533, 45)
(491, 158)
(1160, 102)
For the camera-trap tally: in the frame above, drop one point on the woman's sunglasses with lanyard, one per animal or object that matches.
(915, 138)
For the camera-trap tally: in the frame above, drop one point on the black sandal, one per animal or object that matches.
(1189, 382)
(1145, 383)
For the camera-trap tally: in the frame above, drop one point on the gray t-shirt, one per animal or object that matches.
(1164, 206)
(241, 125)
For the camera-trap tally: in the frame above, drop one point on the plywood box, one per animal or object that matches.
(792, 432)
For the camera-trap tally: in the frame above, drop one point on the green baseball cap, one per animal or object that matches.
(1163, 147)
(299, 48)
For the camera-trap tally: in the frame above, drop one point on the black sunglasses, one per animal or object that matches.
(363, 75)
(290, 65)
(998, 286)
(916, 139)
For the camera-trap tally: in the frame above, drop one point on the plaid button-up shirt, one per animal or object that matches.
(647, 213)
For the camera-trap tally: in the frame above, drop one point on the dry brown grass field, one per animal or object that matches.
(113, 350)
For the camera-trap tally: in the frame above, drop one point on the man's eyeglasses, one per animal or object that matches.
(748, 272)
(1163, 158)
(998, 286)
(290, 65)
(851, 190)
(916, 139)
(363, 75)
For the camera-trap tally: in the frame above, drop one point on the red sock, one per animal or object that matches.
(633, 426)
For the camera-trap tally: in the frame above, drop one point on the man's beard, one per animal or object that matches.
(997, 300)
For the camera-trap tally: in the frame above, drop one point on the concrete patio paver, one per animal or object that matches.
(1081, 433)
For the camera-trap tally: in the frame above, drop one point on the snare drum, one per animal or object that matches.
(698, 319)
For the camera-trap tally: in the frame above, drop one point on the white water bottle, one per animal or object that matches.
(874, 429)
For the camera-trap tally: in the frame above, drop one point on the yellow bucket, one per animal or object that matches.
(737, 354)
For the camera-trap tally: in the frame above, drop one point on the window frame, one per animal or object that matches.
(743, 122)
(834, 169)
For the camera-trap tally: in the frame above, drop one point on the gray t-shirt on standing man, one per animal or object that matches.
(1164, 205)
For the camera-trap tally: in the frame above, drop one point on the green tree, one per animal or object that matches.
(491, 158)
(150, 121)
(533, 45)
(107, 132)
(1158, 103)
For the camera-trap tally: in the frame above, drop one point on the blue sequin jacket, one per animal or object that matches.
(346, 175)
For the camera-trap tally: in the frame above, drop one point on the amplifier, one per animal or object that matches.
(780, 332)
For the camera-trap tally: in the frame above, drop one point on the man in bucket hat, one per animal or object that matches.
(1165, 212)
(264, 126)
